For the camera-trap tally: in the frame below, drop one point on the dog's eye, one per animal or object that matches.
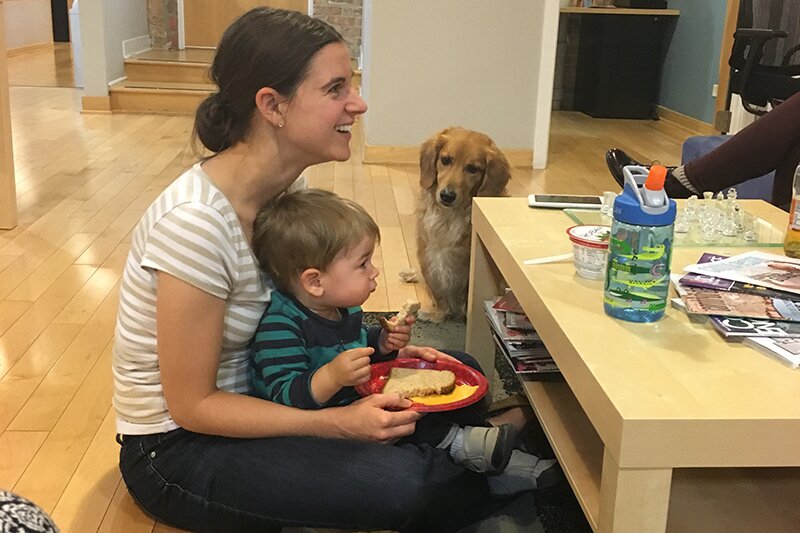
(446, 160)
(472, 169)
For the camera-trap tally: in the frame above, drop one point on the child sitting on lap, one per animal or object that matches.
(311, 347)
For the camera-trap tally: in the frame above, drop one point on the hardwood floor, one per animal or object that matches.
(49, 68)
(83, 181)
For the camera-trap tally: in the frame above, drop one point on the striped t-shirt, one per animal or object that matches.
(192, 232)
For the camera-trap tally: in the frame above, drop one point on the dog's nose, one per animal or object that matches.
(447, 196)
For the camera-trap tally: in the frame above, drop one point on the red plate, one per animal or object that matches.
(465, 375)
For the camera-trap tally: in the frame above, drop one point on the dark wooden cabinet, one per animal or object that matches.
(619, 65)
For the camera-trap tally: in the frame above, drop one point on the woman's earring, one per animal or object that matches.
(280, 124)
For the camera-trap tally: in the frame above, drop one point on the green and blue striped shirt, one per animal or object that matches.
(292, 342)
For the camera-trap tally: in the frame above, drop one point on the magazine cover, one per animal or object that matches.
(498, 324)
(540, 363)
(723, 303)
(718, 284)
(785, 350)
(769, 270)
(508, 302)
(518, 321)
(753, 327)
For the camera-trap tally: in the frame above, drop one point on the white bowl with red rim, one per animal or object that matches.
(590, 249)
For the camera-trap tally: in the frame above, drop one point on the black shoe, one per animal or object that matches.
(675, 188)
(616, 160)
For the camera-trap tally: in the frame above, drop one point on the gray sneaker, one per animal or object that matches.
(485, 449)
(525, 472)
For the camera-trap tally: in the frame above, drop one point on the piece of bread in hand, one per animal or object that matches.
(409, 308)
(410, 382)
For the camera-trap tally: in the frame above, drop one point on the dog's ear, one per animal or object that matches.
(428, 154)
(497, 174)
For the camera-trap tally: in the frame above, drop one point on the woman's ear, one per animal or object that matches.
(311, 282)
(497, 174)
(428, 154)
(270, 105)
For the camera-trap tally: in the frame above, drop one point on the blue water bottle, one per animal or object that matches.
(640, 247)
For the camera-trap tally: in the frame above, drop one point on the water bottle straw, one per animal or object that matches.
(653, 191)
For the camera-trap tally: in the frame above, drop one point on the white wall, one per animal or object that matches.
(104, 24)
(28, 22)
(124, 19)
(472, 63)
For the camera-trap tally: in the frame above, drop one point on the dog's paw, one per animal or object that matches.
(430, 315)
(409, 275)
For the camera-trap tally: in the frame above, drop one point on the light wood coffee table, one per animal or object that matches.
(659, 427)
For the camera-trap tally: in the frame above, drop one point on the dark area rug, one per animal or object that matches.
(559, 511)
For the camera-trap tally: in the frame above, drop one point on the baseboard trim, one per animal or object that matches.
(95, 104)
(684, 121)
(28, 49)
(409, 155)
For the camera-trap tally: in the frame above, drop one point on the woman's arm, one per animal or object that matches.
(190, 327)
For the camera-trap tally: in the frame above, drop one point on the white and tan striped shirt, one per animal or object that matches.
(192, 232)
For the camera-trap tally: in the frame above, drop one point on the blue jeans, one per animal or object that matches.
(213, 484)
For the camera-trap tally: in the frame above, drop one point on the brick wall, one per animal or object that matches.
(344, 15)
(162, 19)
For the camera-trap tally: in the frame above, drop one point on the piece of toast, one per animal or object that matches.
(409, 308)
(410, 382)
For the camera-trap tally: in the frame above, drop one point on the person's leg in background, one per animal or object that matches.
(784, 176)
(770, 143)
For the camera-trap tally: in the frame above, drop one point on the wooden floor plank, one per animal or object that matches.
(10, 311)
(96, 289)
(38, 316)
(19, 383)
(124, 515)
(93, 341)
(86, 498)
(40, 279)
(68, 441)
(17, 448)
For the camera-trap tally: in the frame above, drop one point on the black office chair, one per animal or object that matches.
(765, 60)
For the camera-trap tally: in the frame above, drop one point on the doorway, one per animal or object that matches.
(60, 13)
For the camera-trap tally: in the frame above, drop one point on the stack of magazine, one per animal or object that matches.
(517, 339)
(752, 297)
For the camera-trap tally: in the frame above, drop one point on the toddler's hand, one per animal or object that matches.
(397, 338)
(351, 367)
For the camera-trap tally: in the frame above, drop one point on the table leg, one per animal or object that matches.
(633, 499)
(483, 285)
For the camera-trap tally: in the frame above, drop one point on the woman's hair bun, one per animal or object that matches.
(214, 122)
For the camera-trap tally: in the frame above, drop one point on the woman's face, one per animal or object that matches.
(324, 107)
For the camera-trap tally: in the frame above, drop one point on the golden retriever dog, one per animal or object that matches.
(455, 165)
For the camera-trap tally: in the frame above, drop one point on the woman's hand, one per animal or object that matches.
(380, 418)
(399, 337)
(427, 353)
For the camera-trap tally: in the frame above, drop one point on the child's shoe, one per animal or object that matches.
(483, 449)
(525, 472)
